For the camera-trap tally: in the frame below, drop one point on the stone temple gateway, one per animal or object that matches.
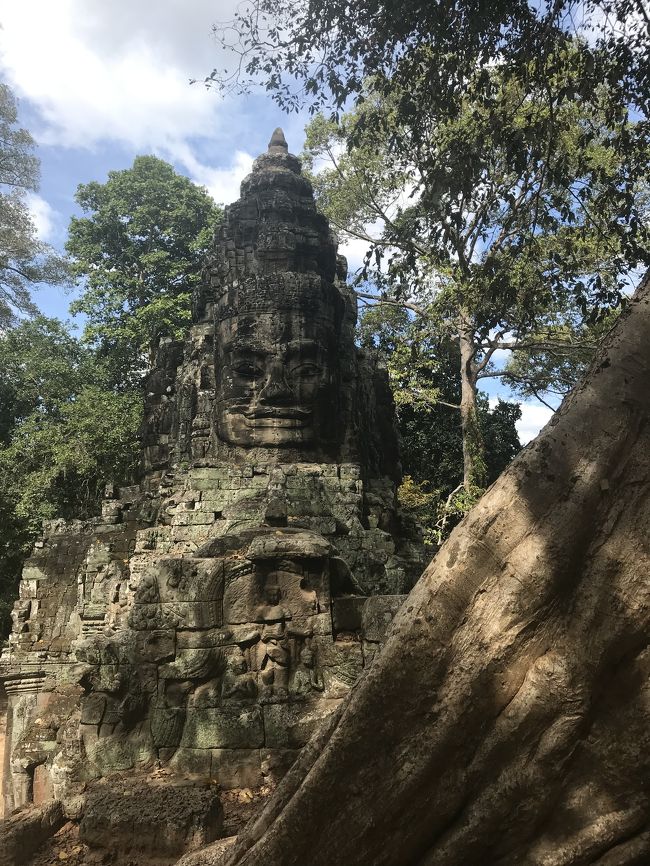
(218, 611)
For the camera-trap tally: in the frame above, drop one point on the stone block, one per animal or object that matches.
(208, 473)
(321, 623)
(346, 613)
(166, 725)
(193, 518)
(33, 572)
(111, 754)
(280, 545)
(42, 791)
(188, 579)
(194, 664)
(199, 614)
(338, 654)
(214, 637)
(227, 727)
(323, 525)
(341, 663)
(196, 534)
(191, 762)
(378, 614)
(289, 726)
(213, 505)
(237, 768)
(241, 599)
(155, 646)
(92, 709)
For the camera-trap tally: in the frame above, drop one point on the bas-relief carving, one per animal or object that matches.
(260, 604)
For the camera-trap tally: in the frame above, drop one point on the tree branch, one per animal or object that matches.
(407, 305)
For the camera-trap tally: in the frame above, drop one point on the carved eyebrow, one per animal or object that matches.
(295, 348)
(245, 348)
(304, 347)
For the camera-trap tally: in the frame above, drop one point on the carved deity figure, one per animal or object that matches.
(237, 682)
(275, 653)
(282, 315)
(307, 678)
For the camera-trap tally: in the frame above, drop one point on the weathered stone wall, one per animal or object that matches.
(74, 585)
(217, 612)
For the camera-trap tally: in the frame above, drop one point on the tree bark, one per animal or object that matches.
(474, 469)
(505, 722)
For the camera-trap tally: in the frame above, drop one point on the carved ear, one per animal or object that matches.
(342, 581)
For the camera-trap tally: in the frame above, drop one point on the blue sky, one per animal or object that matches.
(101, 81)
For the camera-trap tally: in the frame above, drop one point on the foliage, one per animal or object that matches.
(428, 62)
(322, 52)
(64, 432)
(499, 250)
(140, 250)
(424, 374)
(552, 368)
(24, 259)
(467, 221)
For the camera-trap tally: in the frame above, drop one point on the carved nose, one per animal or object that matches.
(276, 390)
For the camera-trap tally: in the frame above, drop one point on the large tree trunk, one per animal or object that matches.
(506, 719)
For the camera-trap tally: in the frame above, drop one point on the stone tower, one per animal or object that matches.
(220, 609)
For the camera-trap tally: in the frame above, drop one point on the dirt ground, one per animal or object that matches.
(66, 847)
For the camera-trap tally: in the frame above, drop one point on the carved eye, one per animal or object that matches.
(247, 370)
(306, 371)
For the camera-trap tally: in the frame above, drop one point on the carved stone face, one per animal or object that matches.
(276, 380)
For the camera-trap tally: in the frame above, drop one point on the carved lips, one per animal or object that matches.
(277, 416)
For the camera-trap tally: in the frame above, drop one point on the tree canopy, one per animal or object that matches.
(25, 260)
(496, 251)
(139, 250)
(424, 372)
(322, 52)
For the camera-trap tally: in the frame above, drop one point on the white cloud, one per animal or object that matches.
(354, 250)
(116, 71)
(43, 215)
(222, 183)
(500, 358)
(533, 418)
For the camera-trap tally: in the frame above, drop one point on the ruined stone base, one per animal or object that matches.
(163, 815)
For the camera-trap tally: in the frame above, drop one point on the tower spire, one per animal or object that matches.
(278, 143)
